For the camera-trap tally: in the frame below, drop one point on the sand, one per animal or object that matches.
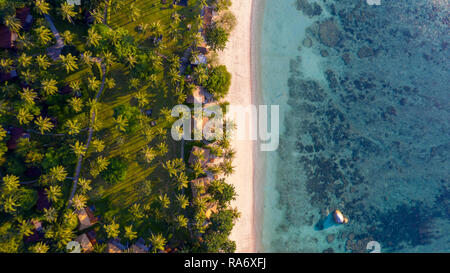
(238, 59)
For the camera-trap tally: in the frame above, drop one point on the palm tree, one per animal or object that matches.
(99, 145)
(93, 83)
(131, 60)
(42, 7)
(28, 76)
(135, 12)
(201, 74)
(85, 185)
(198, 169)
(143, 28)
(67, 11)
(24, 60)
(50, 215)
(121, 123)
(176, 17)
(227, 167)
(40, 247)
(141, 96)
(149, 154)
(44, 124)
(6, 65)
(25, 228)
(102, 163)
(13, 23)
(79, 201)
(28, 95)
(79, 149)
(136, 211)
(182, 200)
(156, 28)
(93, 38)
(76, 104)
(49, 87)
(73, 126)
(110, 83)
(108, 59)
(129, 233)
(10, 203)
(25, 40)
(87, 58)
(69, 62)
(44, 35)
(112, 230)
(11, 182)
(58, 173)
(75, 85)
(181, 221)
(182, 181)
(158, 242)
(202, 3)
(164, 200)
(24, 116)
(97, 15)
(68, 37)
(43, 62)
(54, 193)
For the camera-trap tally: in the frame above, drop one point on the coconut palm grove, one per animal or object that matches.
(86, 153)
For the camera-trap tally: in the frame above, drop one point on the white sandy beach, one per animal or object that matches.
(238, 59)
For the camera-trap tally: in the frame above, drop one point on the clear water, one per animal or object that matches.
(365, 99)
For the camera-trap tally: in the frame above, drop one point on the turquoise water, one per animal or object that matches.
(365, 99)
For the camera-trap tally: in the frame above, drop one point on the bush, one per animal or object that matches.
(217, 38)
(219, 80)
(27, 198)
(131, 113)
(116, 171)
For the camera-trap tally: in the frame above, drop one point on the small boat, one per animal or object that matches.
(339, 217)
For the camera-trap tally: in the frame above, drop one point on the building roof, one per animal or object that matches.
(42, 202)
(85, 243)
(200, 59)
(25, 17)
(208, 13)
(211, 208)
(86, 218)
(16, 134)
(115, 246)
(8, 76)
(7, 37)
(200, 95)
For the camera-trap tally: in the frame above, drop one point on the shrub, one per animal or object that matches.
(216, 38)
(116, 171)
(219, 80)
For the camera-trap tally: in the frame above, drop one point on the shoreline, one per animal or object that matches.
(240, 58)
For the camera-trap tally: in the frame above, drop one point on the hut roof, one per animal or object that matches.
(85, 243)
(200, 95)
(208, 13)
(115, 246)
(86, 217)
(42, 202)
(210, 209)
(25, 17)
(7, 37)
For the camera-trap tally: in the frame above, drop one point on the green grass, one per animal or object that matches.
(115, 200)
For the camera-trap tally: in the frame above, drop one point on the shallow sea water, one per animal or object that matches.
(364, 92)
